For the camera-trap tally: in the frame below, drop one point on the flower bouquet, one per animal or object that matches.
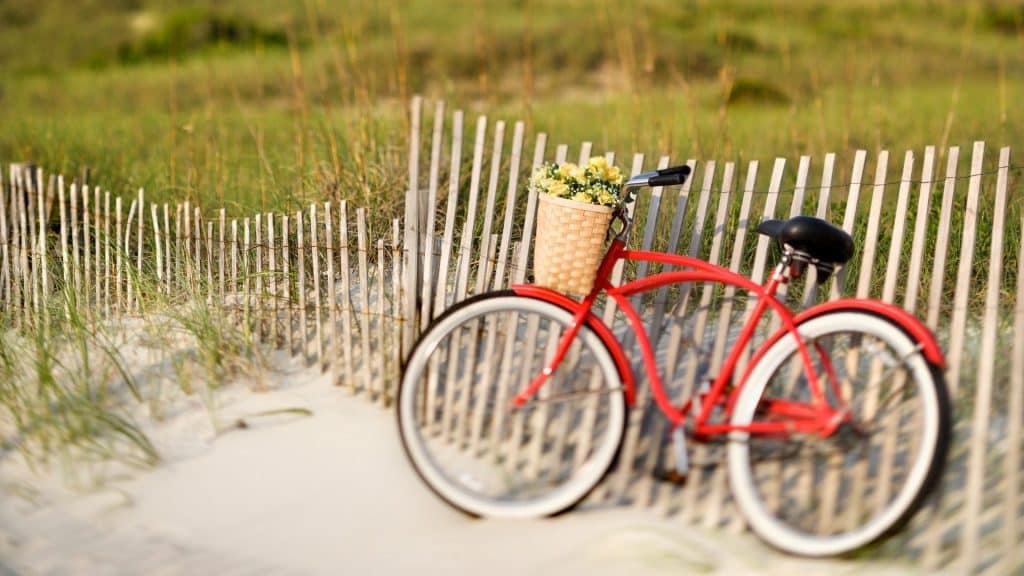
(576, 206)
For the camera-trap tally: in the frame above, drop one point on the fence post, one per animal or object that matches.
(412, 230)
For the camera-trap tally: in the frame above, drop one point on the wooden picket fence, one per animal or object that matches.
(946, 246)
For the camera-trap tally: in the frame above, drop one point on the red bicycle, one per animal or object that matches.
(836, 426)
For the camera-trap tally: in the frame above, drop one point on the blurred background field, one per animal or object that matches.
(263, 104)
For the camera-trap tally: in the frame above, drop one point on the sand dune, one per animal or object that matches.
(329, 493)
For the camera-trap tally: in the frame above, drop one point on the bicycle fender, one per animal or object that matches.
(595, 324)
(917, 330)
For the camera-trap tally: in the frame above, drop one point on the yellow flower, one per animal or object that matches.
(599, 164)
(614, 175)
(556, 188)
(582, 197)
(579, 173)
(606, 198)
(568, 169)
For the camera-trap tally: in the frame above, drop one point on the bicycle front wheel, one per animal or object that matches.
(824, 496)
(472, 446)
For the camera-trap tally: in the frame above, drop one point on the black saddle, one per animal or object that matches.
(816, 238)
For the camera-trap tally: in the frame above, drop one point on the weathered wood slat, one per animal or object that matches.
(468, 227)
(289, 292)
(157, 243)
(620, 483)
(7, 272)
(1011, 497)
(849, 217)
(717, 500)
(300, 247)
(962, 294)
(315, 243)
(87, 231)
(679, 215)
(441, 295)
(138, 242)
(346, 293)
(247, 275)
(824, 193)
(942, 248)
(934, 533)
(868, 252)
(221, 263)
(381, 353)
(485, 264)
(118, 250)
(429, 261)
(526, 244)
(986, 373)
(510, 204)
(76, 259)
(332, 294)
(364, 305)
(920, 231)
(412, 224)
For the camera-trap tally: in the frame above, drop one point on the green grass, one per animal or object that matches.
(269, 105)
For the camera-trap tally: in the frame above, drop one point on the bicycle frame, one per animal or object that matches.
(816, 417)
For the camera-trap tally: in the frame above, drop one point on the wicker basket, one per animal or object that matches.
(569, 244)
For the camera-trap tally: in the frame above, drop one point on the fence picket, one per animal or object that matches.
(209, 262)
(717, 497)
(117, 247)
(43, 266)
(441, 295)
(6, 271)
(86, 248)
(510, 204)
(466, 245)
(258, 299)
(935, 531)
(289, 303)
(381, 356)
(526, 244)
(138, 244)
(314, 254)
(492, 193)
(300, 248)
(620, 484)
(346, 293)
(76, 259)
(920, 231)
(157, 243)
(221, 262)
(986, 371)
(963, 277)
(429, 264)
(1011, 497)
(332, 294)
(364, 305)
(849, 217)
(412, 223)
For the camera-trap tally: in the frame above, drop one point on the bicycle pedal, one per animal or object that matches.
(671, 476)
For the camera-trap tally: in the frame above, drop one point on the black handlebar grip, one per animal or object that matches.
(669, 179)
(681, 169)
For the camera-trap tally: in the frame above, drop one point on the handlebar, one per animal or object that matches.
(672, 176)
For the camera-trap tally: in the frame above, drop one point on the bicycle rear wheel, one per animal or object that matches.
(824, 496)
(465, 438)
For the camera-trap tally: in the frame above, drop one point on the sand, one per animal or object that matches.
(329, 493)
